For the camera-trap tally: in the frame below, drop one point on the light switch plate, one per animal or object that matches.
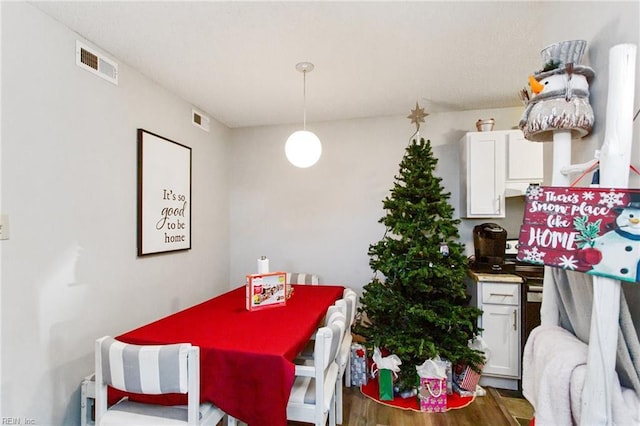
(4, 227)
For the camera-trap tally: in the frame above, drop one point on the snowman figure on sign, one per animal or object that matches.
(559, 98)
(616, 254)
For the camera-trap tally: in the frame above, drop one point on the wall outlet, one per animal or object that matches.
(4, 227)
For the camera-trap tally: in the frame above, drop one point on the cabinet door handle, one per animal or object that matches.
(501, 294)
(515, 319)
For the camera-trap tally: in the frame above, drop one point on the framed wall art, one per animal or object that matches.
(164, 194)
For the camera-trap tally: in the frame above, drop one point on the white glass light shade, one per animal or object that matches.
(303, 149)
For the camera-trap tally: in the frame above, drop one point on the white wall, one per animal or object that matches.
(324, 218)
(622, 26)
(69, 270)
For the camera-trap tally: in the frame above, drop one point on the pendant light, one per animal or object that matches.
(303, 148)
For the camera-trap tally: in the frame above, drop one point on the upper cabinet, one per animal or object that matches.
(496, 165)
(483, 174)
(525, 163)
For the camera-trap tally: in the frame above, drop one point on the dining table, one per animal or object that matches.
(246, 357)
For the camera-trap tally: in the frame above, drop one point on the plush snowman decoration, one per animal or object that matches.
(617, 253)
(559, 98)
(560, 85)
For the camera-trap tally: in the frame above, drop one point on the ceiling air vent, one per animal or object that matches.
(96, 62)
(199, 120)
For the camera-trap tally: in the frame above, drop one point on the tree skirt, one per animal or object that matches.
(371, 390)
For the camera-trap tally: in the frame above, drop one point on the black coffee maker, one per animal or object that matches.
(490, 243)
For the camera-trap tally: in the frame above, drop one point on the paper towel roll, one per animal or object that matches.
(263, 265)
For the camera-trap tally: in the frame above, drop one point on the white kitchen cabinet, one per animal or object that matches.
(502, 331)
(483, 178)
(524, 158)
(498, 296)
(495, 165)
(524, 163)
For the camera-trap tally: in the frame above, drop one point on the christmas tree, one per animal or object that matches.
(420, 308)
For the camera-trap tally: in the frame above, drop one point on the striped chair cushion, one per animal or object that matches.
(351, 298)
(301, 278)
(145, 369)
(337, 332)
(304, 388)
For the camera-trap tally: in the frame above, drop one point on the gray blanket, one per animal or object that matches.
(575, 298)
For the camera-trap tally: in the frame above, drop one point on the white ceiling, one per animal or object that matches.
(236, 60)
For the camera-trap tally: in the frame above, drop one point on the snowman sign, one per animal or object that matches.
(592, 230)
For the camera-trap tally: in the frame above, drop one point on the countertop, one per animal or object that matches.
(495, 278)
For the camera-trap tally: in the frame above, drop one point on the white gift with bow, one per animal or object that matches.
(391, 362)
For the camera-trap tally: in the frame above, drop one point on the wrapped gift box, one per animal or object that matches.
(449, 370)
(466, 378)
(358, 365)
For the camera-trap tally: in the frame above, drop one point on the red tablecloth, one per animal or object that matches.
(246, 365)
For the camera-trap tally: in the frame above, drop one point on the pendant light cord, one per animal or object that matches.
(304, 100)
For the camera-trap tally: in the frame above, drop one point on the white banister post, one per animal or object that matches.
(549, 312)
(561, 157)
(614, 173)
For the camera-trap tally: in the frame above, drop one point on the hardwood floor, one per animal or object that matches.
(362, 411)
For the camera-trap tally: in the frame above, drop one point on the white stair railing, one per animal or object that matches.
(614, 173)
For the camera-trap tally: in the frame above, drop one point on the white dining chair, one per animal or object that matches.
(150, 370)
(344, 353)
(340, 306)
(312, 398)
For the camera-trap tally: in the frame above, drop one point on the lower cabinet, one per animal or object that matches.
(499, 298)
(502, 332)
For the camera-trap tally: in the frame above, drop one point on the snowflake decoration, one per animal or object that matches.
(568, 262)
(534, 192)
(533, 255)
(611, 199)
(588, 195)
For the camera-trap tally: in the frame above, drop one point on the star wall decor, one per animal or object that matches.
(417, 116)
